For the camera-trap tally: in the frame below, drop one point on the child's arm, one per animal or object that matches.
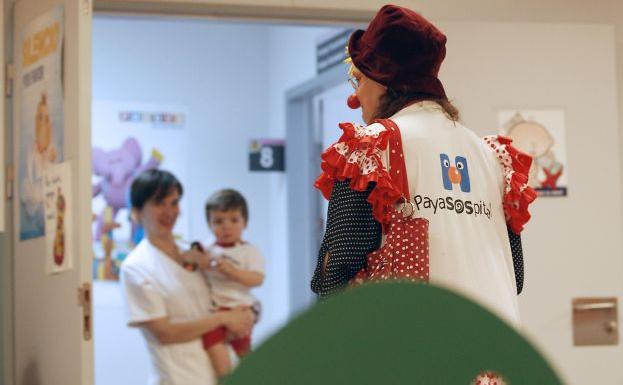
(245, 277)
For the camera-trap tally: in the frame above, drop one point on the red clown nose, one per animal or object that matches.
(353, 102)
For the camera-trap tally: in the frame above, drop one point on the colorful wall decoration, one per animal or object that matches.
(128, 138)
(540, 133)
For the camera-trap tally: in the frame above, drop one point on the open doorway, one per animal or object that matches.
(189, 96)
(314, 110)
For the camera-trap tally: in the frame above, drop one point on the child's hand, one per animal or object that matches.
(197, 256)
(227, 268)
(194, 256)
(205, 260)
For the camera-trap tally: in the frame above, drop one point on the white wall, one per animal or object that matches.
(572, 245)
(233, 78)
(292, 61)
(219, 72)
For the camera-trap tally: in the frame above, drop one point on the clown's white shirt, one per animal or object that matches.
(469, 245)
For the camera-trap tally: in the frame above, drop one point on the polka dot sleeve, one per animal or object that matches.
(351, 234)
(518, 195)
(517, 251)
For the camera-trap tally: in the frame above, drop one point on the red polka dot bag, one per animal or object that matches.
(405, 251)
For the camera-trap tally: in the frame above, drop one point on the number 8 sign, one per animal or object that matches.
(267, 155)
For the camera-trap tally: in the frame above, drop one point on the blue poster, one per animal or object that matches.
(41, 116)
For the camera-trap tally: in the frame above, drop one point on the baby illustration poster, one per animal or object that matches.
(58, 223)
(540, 133)
(41, 117)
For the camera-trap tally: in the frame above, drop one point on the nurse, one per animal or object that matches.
(170, 304)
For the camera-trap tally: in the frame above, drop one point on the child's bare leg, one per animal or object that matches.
(219, 355)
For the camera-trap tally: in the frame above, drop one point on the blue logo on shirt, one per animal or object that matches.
(454, 174)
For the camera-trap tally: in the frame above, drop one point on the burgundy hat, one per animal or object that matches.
(400, 50)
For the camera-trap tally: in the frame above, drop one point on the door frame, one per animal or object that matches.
(303, 149)
(6, 237)
(77, 94)
(263, 11)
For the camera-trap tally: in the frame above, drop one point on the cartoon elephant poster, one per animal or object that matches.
(540, 133)
(128, 138)
(116, 169)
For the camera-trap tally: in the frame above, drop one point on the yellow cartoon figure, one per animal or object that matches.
(44, 151)
(59, 239)
(41, 154)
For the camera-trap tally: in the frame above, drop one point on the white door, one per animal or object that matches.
(49, 341)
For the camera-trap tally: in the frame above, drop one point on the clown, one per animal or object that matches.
(414, 149)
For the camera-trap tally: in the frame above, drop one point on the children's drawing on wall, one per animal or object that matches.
(57, 193)
(41, 116)
(540, 133)
(129, 138)
(116, 170)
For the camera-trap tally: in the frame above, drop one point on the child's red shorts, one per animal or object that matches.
(219, 335)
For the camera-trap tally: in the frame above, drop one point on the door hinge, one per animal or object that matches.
(9, 181)
(84, 301)
(9, 76)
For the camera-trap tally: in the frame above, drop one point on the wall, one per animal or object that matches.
(572, 245)
(292, 61)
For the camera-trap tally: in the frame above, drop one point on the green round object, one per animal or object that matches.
(394, 333)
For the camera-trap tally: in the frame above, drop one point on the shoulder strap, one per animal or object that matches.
(397, 168)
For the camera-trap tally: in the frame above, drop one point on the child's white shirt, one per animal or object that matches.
(225, 291)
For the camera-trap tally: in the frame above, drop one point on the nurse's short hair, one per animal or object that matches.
(225, 200)
(153, 184)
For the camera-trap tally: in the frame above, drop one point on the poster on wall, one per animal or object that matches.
(540, 133)
(58, 222)
(41, 116)
(129, 138)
